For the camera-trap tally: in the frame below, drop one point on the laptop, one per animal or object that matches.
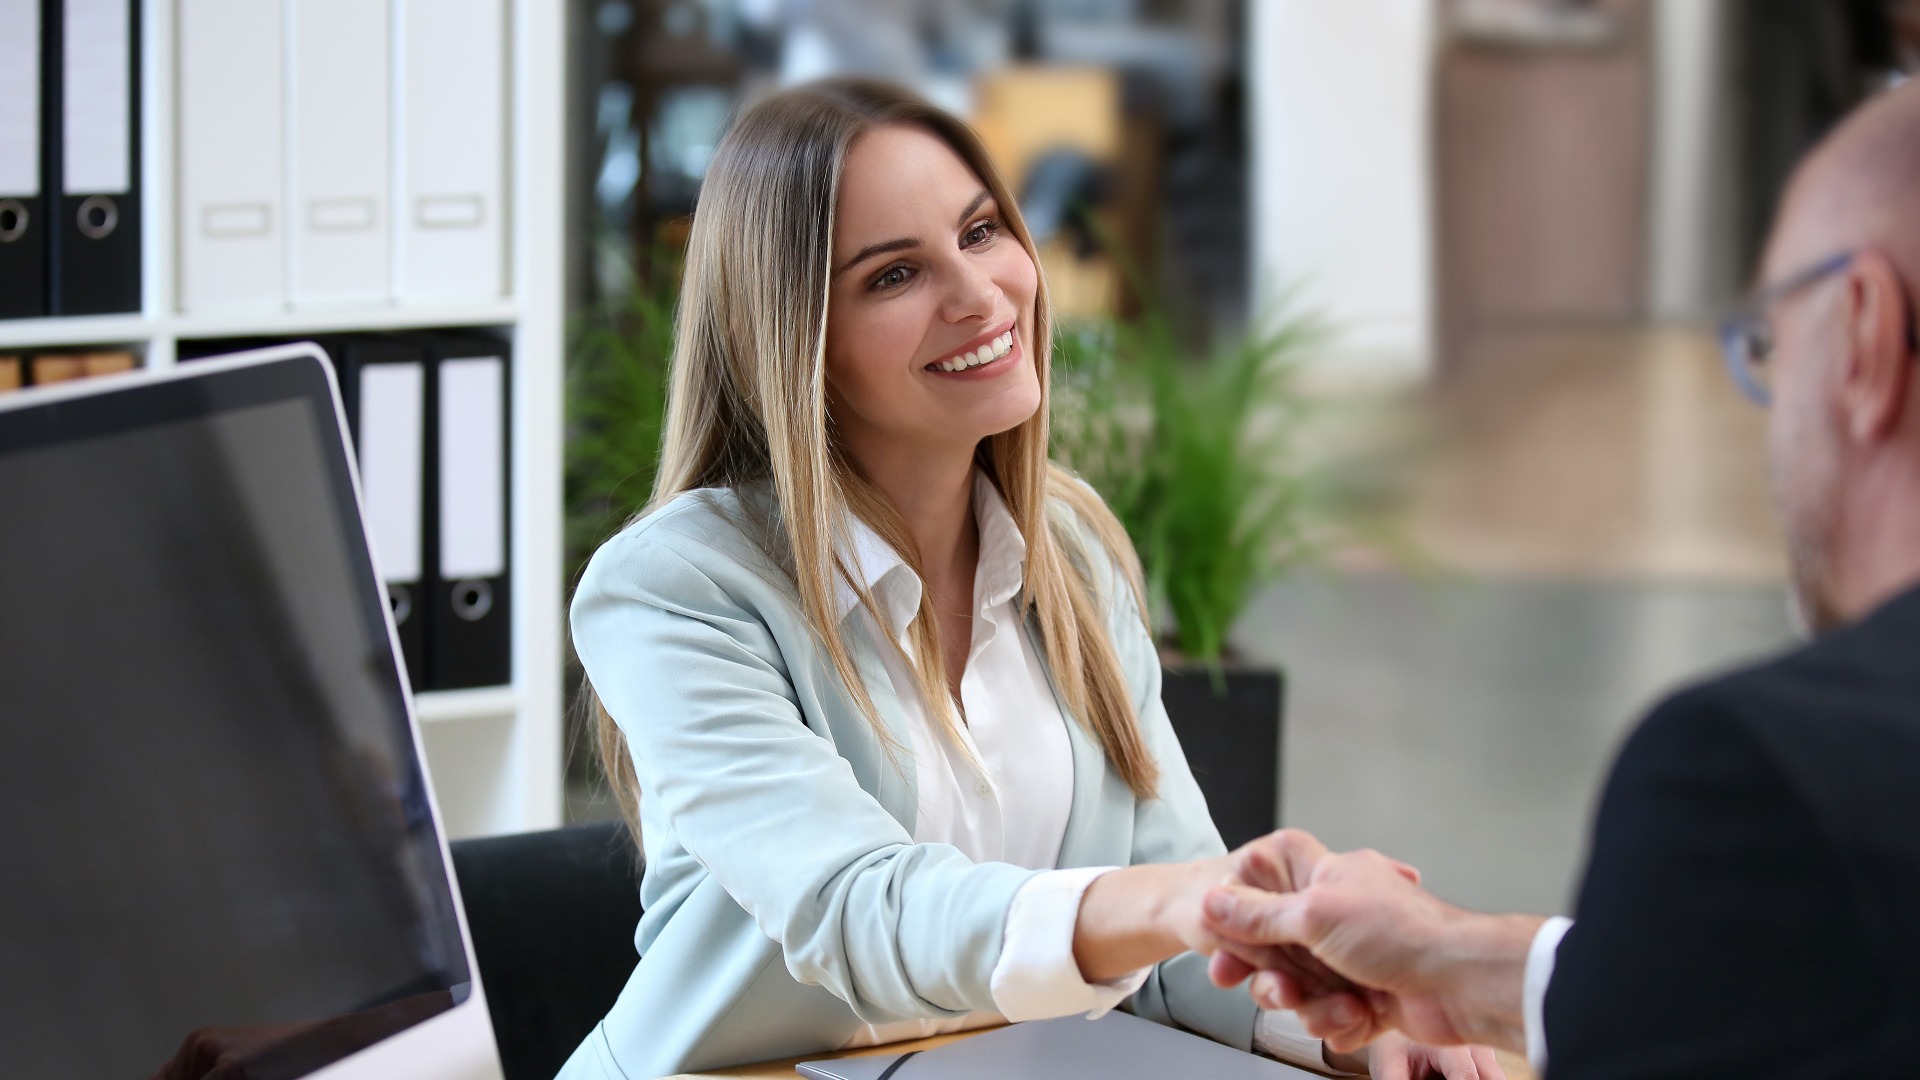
(221, 848)
(1118, 1046)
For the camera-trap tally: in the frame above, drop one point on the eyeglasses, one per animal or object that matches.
(1746, 339)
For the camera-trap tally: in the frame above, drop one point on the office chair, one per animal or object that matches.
(552, 916)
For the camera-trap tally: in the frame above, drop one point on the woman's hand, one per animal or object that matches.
(1137, 916)
(1395, 1057)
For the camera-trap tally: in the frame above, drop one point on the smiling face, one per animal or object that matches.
(930, 309)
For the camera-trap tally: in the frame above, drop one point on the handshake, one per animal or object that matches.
(1354, 945)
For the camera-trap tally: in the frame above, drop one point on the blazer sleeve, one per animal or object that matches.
(1713, 936)
(1174, 826)
(698, 684)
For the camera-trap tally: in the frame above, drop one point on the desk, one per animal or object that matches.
(1515, 1065)
(783, 1070)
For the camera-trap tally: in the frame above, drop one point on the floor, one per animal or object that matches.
(1591, 518)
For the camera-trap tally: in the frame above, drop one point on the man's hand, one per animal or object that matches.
(1398, 956)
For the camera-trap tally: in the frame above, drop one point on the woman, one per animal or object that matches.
(872, 671)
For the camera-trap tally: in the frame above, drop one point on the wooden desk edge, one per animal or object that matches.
(1515, 1065)
(783, 1070)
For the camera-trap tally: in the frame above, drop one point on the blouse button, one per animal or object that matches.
(984, 789)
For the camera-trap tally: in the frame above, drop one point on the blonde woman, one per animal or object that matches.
(876, 688)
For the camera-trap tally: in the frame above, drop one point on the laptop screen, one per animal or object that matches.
(215, 820)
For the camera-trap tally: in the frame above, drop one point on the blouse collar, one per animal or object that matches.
(997, 577)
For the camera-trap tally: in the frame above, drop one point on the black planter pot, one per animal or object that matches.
(1232, 740)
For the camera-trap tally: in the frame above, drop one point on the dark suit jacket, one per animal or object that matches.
(1752, 907)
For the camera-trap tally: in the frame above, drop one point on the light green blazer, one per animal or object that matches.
(786, 902)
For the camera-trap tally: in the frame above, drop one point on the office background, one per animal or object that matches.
(1518, 217)
(1522, 217)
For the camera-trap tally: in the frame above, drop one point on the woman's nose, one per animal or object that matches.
(972, 293)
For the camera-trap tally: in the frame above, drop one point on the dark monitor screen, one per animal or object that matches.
(214, 817)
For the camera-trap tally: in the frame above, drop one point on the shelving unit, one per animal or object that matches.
(494, 753)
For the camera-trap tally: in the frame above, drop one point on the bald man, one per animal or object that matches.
(1752, 902)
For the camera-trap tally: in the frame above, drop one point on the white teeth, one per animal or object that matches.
(985, 354)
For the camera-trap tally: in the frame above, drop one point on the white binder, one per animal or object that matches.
(232, 223)
(339, 76)
(449, 223)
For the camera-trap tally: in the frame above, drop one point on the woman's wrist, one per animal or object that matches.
(1137, 916)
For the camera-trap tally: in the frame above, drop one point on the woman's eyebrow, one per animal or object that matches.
(908, 242)
(868, 252)
(979, 199)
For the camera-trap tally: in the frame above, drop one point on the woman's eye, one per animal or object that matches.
(892, 278)
(981, 232)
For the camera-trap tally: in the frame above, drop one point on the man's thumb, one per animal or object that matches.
(1253, 916)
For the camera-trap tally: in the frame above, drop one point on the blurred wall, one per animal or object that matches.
(1341, 95)
(1692, 251)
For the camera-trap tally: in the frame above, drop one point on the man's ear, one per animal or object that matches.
(1873, 398)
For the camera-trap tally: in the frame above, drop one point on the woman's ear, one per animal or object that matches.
(1878, 366)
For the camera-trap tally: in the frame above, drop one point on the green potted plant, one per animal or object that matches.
(617, 408)
(1195, 451)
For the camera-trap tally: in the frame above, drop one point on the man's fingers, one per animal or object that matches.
(1456, 1063)
(1337, 1017)
(1252, 915)
(1389, 1065)
(1487, 1062)
(1270, 991)
(1227, 970)
(1407, 870)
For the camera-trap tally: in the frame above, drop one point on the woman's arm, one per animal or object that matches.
(671, 631)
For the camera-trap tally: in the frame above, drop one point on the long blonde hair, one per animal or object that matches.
(747, 403)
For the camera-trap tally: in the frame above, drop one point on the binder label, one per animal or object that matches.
(451, 212)
(20, 98)
(392, 464)
(99, 98)
(473, 512)
(341, 215)
(236, 220)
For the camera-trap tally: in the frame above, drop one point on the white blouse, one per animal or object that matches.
(1004, 794)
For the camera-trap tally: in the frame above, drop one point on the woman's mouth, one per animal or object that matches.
(988, 355)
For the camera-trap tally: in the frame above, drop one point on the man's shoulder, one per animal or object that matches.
(1857, 686)
(1834, 724)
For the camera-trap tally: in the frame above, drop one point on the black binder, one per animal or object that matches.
(91, 89)
(470, 639)
(364, 364)
(331, 346)
(23, 204)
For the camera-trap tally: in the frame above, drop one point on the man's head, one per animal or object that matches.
(1844, 440)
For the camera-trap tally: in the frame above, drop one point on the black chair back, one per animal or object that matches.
(552, 916)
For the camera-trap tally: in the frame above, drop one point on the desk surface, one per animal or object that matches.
(783, 1070)
(1515, 1066)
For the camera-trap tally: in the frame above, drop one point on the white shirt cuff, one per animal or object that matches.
(1540, 957)
(1036, 977)
(1282, 1036)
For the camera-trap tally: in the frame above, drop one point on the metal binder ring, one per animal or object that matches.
(472, 600)
(14, 219)
(400, 599)
(103, 208)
